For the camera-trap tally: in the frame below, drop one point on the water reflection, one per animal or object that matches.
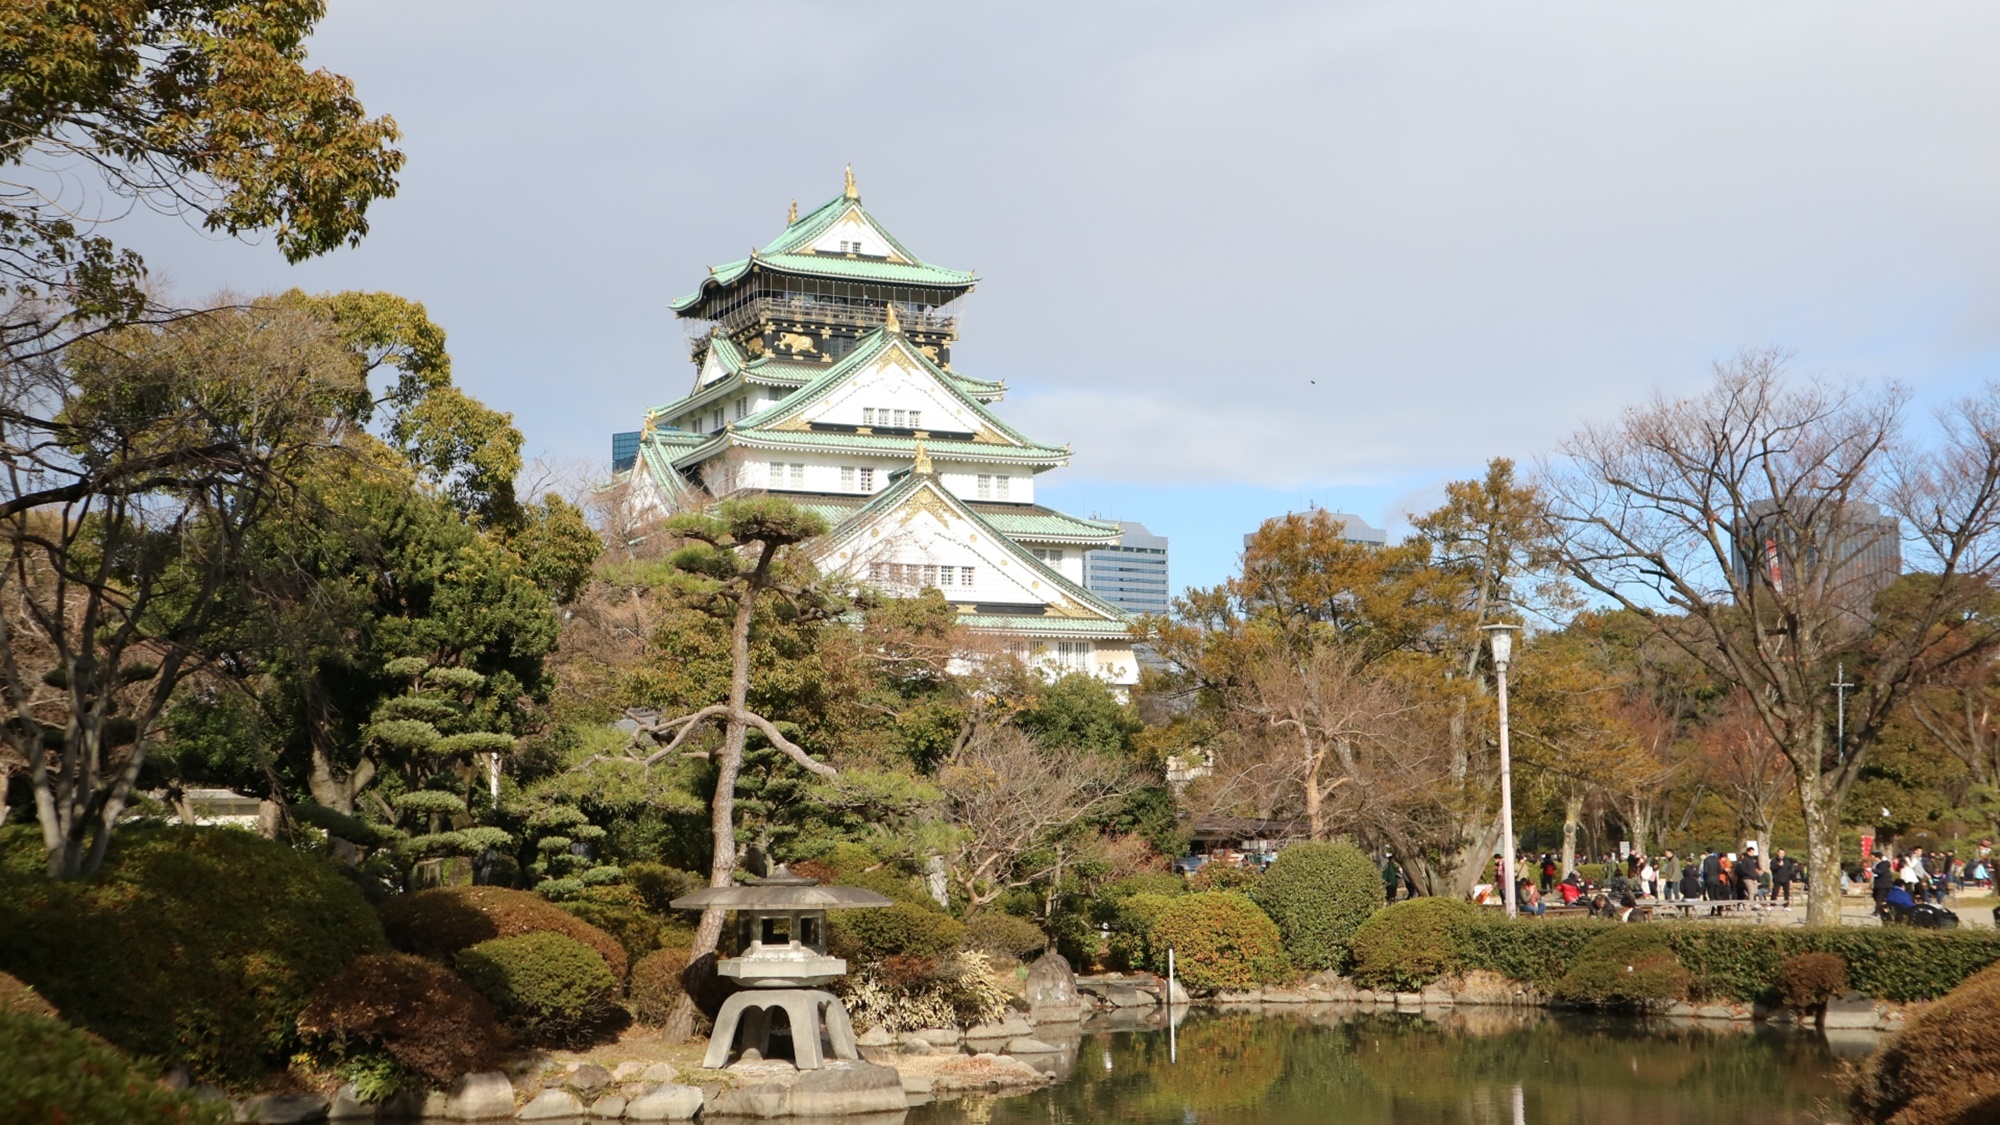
(1476, 1067)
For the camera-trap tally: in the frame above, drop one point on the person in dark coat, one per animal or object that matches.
(1711, 877)
(1784, 870)
(1882, 878)
(1691, 882)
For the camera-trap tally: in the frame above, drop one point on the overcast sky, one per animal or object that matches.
(1241, 257)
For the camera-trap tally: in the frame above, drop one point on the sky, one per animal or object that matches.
(1242, 258)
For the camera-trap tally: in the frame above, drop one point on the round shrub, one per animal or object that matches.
(656, 984)
(440, 922)
(50, 1071)
(1407, 945)
(617, 911)
(1807, 980)
(866, 935)
(192, 945)
(658, 885)
(1941, 1069)
(1132, 932)
(1003, 935)
(419, 1013)
(554, 989)
(1223, 877)
(1220, 940)
(1629, 967)
(1319, 894)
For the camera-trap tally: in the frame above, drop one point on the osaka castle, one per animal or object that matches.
(823, 375)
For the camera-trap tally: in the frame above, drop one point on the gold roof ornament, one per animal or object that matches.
(889, 318)
(851, 193)
(792, 216)
(923, 466)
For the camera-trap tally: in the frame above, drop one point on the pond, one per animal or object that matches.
(1455, 1068)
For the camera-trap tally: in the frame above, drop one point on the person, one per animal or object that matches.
(1913, 876)
(1897, 902)
(1528, 897)
(1670, 876)
(1750, 871)
(1691, 882)
(1783, 870)
(1649, 878)
(1571, 888)
(1549, 872)
(1392, 875)
(1628, 910)
(1881, 878)
(1711, 875)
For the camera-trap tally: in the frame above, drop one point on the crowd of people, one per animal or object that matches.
(1915, 877)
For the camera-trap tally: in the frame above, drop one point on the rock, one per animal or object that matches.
(176, 1077)
(348, 1106)
(1409, 999)
(1240, 996)
(939, 1036)
(552, 1105)
(590, 1078)
(610, 1106)
(1731, 1012)
(668, 1102)
(762, 1099)
(478, 1097)
(847, 1087)
(1852, 1012)
(1178, 994)
(1050, 983)
(1284, 996)
(1680, 1009)
(917, 1085)
(658, 1074)
(631, 1069)
(875, 1037)
(1435, 993)
(915, 1045)
(1007, 1027)
(1023, 1045)
(282, 1109)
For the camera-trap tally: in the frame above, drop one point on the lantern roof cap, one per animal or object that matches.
(781, 890)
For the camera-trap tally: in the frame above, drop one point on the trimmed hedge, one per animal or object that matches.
(1220, 939)
(1003, 935)
(193, 945)
(905, 928)
(1407, 945)
(1627, 967)
(1319, 894)
(419, 1013)
(1808, 980)
(52, 1072)
(440, 922)
(552, 988)
(1941, 1069)
(656, 985)
(1740, 962)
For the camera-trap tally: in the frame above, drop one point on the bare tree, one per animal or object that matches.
(1744, 767)
(1009, 798)
(1738, 522)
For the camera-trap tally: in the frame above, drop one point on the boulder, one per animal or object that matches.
(552, 1105)
(281, 1109)
(939, 1036)
(1285, 996)
(658, 1074)
(348, 1106)
(1051, 982)
(761, 1099)
(589, 1079)
(611, 1107)
(483, 1096)
(1435, 993)
(668, 1102)
(1852, 1012)
(1006, 1027)
(1023, 1045)
(631, 1069)
(875, 1037)
(846, 1087)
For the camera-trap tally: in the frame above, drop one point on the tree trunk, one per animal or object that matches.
(1572, 819)
(1822, 817)
(1315, 816)
(680, 1021)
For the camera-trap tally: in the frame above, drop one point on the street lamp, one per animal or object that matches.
(1501, 638)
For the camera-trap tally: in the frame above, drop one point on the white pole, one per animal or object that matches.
(1173, 1037)
(1506, 800)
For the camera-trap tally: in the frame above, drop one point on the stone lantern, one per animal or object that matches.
(784, 965)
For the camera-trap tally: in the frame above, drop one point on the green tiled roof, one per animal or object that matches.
(780, 256)
(809, 440)
(1032, 521)
(1031, 624)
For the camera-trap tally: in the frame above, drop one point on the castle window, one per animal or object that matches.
(777, 477)
(867, 415)
(965, 576)
(798, 475)
(930, 575)
(899, 418)
(742, 405)
(945, 575)
(985, 487)
(867, 479)
(715, 419)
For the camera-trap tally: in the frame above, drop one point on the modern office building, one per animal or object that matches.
(1353, 528)
(1131, 575)
(1849, 557)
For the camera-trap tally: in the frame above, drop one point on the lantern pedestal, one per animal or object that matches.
(809, 1011)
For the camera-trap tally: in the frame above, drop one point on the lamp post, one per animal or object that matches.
(1501, 638)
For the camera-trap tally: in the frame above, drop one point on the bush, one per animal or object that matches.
(1407, 945)
(194, 945)
(1003, 935)
(870, 934)
(440, 922)
(1807, 980)
(658, 885)
(959, 991)
(1220, 941)
(552, 988)
(617, 911)
(419, 1013)
(1223, 877)
(1942, 1069)
(1132, 931)
(50, 1071)
(1319, 894)
(656, 984)
(1537, 951)
(1631, 966)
